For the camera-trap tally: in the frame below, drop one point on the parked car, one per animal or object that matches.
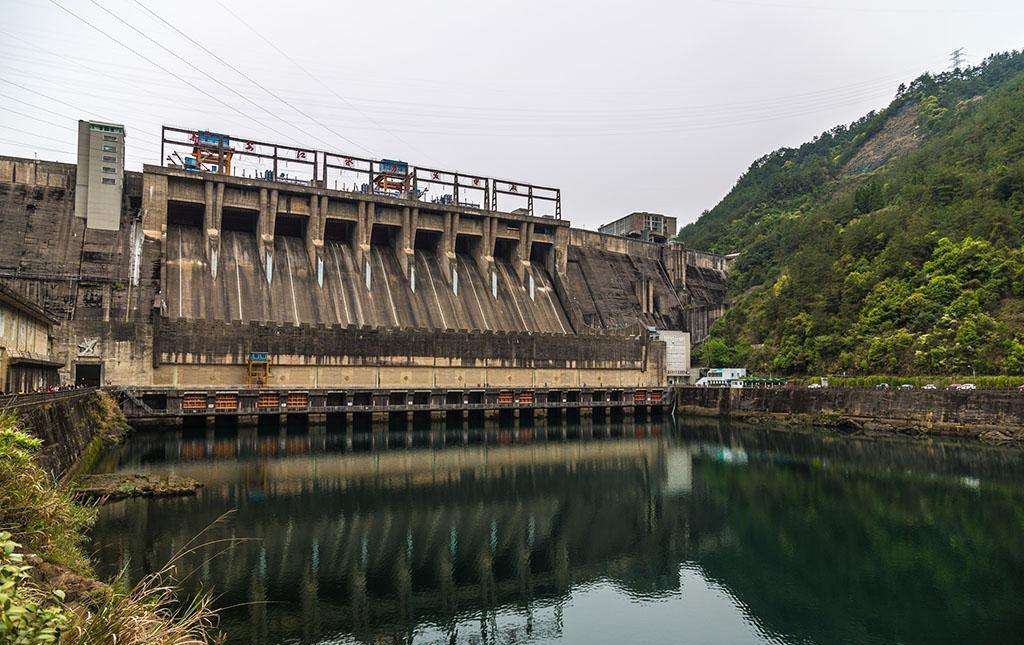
(906, 386)
(968, 386)
(814, 386)
(953, 386)
(882, 386)
(930, 386)
(1021, 389)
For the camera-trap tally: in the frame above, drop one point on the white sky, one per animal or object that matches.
(625, 106)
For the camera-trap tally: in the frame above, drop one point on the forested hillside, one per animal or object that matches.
(892, 245)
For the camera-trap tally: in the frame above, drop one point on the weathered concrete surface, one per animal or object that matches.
(199, 248)
(996, 414)
(66, 422)
(615, 291)
(211, 353)
(244, 290)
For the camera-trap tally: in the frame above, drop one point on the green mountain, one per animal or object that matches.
(892, 245)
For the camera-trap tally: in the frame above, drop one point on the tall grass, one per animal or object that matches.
(38, 513)
(43, 519)
(147, 614)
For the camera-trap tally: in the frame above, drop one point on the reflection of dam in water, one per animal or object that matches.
(376, 536)
(288, 289)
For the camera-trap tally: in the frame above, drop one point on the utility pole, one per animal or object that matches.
(956, 58)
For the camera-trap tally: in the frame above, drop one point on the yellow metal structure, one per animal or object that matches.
(257, 369)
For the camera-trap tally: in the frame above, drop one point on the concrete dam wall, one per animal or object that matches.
(379, 294)
(199, 258)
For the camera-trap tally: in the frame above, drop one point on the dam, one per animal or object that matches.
(347, 283)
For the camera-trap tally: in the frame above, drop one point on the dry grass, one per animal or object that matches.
(38, 513)
(147, 614)
(46, 521)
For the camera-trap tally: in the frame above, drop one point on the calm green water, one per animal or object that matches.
(585, 533)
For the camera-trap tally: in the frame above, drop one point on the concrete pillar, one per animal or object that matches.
(315, 230)
(451, 232)
(211, 223)
(523, 250)
(414, 222)
(485, 252)
(364, 234)
(208, 206)
(262, 216)
(404, 242)
(371, 216)
(267, 223)
(560, 252)
(154, 206)
(358, 235)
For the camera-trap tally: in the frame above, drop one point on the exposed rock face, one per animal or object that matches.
(899, 136)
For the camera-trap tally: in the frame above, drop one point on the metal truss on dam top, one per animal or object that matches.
(202, 151)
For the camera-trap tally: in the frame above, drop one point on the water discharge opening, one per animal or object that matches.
(185, 214)
(290, 225)
(428, 240)
(339, 230)
(383, 235)
(540, 254)
(467, 244)
(239, 219)
(505, 249)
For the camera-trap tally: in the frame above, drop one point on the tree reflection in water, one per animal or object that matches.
(513, 534)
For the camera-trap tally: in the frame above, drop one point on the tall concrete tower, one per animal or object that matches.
(99, 181)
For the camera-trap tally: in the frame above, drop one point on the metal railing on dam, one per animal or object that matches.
(173, 402)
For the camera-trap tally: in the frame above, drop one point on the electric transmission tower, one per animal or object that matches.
(957, 58)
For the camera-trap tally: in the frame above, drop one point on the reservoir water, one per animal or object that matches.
(581, 532)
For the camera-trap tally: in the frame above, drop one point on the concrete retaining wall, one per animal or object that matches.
(67, 423)
(937, 411)
(210, 353)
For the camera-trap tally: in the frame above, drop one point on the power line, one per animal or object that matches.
(65, 103)
(206, 74)
(512, 121)
(31, 134)
(315, 78)
(646, 126)
(165, 70)
(34, 118)
(575, 114)
(253, 81)
(36, 107)
(34, 147)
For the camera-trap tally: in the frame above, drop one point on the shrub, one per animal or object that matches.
(38, 514)
(28, 616)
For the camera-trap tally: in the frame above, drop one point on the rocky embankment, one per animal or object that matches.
(989, 415)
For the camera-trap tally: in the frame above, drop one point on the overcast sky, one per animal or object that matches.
(625, 106)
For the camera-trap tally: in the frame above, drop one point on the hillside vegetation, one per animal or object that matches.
(892, 245)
